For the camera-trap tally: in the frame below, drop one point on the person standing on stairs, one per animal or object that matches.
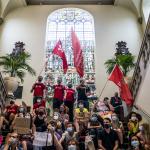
(83, 93)
(69, 100)
(38, 89)
(116, 102)
(59, 91)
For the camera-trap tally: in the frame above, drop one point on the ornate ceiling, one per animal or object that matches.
(62, 2)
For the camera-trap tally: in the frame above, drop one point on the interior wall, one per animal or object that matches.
(143, 96)
(112, 24)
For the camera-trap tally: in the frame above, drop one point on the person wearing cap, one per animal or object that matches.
(59, 91)
(38, 89)
(69, 100)
(83, 93)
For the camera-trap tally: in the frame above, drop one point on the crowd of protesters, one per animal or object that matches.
(71, 127)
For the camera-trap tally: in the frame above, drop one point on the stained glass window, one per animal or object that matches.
(59, 26)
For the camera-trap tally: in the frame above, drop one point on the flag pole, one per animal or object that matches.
(99, 96)
(42, 69)
(103, 89)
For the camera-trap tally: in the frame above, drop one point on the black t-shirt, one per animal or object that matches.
(115, 102)
(82, 90)
(108, 139)
(40, 124)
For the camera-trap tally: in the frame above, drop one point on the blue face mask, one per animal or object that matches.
(69, 129)
(135, 144)
(94, 119)
(13, 141)
(72, 147)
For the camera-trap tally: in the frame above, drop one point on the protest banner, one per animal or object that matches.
(41, 138)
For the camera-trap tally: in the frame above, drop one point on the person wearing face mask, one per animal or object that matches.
(116, 102)
(144, 135)
(10, 110)
(38, 89)
(108, 138)
(83, 93)
(133, 123)
(64, 114)
(20, 114)
(95, 125)
(12, 142)
(81, 115)
(7, 118)
(40, 122)
(69, 100)
(135, 143)
(68, 135)
(39, 103)
(117, 126)
(72, 145)
(59, 91)
(103, 107)
(58, 120)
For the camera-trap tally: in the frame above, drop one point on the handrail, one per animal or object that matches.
(142, 62)
(3, 92)
(140, 70)
(142, 110)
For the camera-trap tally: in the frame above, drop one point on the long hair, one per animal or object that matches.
(146, 131)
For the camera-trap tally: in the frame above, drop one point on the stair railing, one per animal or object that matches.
(142, 63)
(3, 94)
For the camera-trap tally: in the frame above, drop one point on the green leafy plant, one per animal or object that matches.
(125, 62)
(17, 65)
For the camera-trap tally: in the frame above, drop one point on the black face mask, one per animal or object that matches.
(107, 126)
(41, 113)
(11, 102)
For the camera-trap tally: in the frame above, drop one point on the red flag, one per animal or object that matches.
(125, 93)
(59, 51)
(77, 52)
(117, 77)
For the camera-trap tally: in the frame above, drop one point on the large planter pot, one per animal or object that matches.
(11, 84)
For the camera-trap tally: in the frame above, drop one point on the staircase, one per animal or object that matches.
(142, 63)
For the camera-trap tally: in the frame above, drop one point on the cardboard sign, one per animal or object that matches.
(40, 139)
(22, 125)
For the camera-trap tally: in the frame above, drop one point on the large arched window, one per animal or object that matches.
(59, 25)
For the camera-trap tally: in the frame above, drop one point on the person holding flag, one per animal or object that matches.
(59, 88)
(116, 102)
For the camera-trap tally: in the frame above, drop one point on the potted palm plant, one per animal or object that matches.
(16, 65)
(123, 58)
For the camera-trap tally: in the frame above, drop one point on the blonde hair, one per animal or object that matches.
(146, 132)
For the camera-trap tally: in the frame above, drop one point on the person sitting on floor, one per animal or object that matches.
(108, 138)
(133, 123)
(81, 115)
(117, 126)
(144, 135)
(39, 103)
